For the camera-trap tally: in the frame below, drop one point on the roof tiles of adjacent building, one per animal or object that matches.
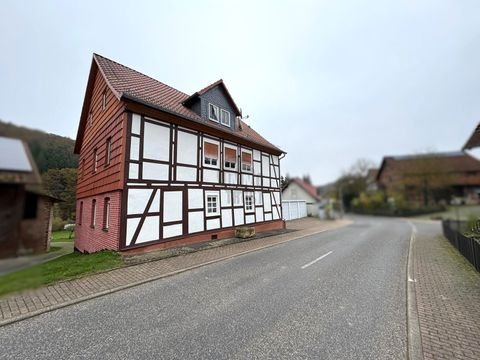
(130, 84)
(464, 168)
(309, 188)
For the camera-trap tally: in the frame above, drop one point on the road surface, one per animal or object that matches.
(335, 295)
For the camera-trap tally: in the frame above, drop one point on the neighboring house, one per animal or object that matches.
(298, 189)
(159, 168)
(430, 179)
(371, 180)
(474, 139)
(25, 210)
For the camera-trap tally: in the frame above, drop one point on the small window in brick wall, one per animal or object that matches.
(106, 213)
(80, 213)
(94, 213)
(108, 151)
(30, 206)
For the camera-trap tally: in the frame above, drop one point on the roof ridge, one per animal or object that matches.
(138, 72)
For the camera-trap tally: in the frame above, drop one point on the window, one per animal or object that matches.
(213, 112)
(82, 169)
(248, 202)
(95, 159)
(90, 119)
(230, 158)
(106, 213)
(225, 117)
(210, 154)
(108, 151)
(104, 100)
(80, 213)
(212, 205)
(94, 213)
(246, 161)
(30, 206)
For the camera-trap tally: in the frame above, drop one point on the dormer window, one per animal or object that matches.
(213, 112)
(225, 117)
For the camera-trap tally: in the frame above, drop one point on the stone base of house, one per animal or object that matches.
(204, 236)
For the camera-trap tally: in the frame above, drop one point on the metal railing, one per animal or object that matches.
(468, 247)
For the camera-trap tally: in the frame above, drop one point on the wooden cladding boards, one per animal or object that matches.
(106, 123)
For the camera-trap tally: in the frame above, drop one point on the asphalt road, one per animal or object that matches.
(270, 304)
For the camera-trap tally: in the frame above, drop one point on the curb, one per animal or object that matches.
(414, 339)
(144, 281)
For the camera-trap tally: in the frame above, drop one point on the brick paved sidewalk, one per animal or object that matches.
(448, 298)
(32, 302)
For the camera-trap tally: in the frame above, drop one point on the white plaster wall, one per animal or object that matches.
(172, 206)
(268, 217)
(195, 199)
(267, 204)
(155, 207)
(137, 200)
(265, 166)
(256, 155)
(259, 214)
(154, 171)
(257, 168)
(237, 197)
(187, 148)
(134, 148)
(227, 218)
(226, 197)
(195, 221)
(238, 217)
(149, 230)
(186, 173)
(213, 224)
(249, 219)
(131, 228)
(247, 179)
(230, 178)
(133, 171)
(156, 142)
(172, 230)
(136, 124)
(211, 176)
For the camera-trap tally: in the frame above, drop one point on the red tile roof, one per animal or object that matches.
(129, 83)
(309, 188)
(462, 168)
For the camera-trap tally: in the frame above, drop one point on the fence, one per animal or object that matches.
(468, 247)
(294, 209)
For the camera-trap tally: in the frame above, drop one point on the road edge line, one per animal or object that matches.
(414, 338)
(158, 277)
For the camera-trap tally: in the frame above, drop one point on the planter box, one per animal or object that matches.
(245, 232)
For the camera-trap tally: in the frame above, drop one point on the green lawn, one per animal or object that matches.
(62, 236)
(465, 212)
(62, 268)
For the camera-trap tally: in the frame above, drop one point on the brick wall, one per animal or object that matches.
(35, 233)
(90, 238)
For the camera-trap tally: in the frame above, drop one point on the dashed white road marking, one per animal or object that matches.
(317, 259)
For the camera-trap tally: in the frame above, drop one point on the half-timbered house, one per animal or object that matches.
(160, 168)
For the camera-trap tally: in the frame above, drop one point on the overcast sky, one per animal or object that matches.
(327, 81)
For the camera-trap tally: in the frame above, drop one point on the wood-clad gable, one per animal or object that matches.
(106, 120)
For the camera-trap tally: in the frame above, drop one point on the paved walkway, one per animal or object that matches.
(22, 262)
(29, 303)
(448, 297)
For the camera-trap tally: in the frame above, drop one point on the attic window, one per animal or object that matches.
(225, 117)
(213, 112)
(90, 119)
(104, 100)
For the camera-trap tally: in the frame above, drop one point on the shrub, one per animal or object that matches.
(57, 223)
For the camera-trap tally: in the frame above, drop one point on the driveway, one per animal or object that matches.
(334, 295)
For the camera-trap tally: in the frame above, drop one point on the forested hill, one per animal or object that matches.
(50, 151)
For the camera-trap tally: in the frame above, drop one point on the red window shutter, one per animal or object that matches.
(230, 155)
(210, 150)
(246, 158)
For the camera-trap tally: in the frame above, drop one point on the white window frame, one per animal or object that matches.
(212, 195)
(210, 112)
(222, 112)
(249, 207)
(205, 159)
(106, 221)
(225, 146)
(250, 171)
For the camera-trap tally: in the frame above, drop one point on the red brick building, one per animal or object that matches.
(159, 167)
